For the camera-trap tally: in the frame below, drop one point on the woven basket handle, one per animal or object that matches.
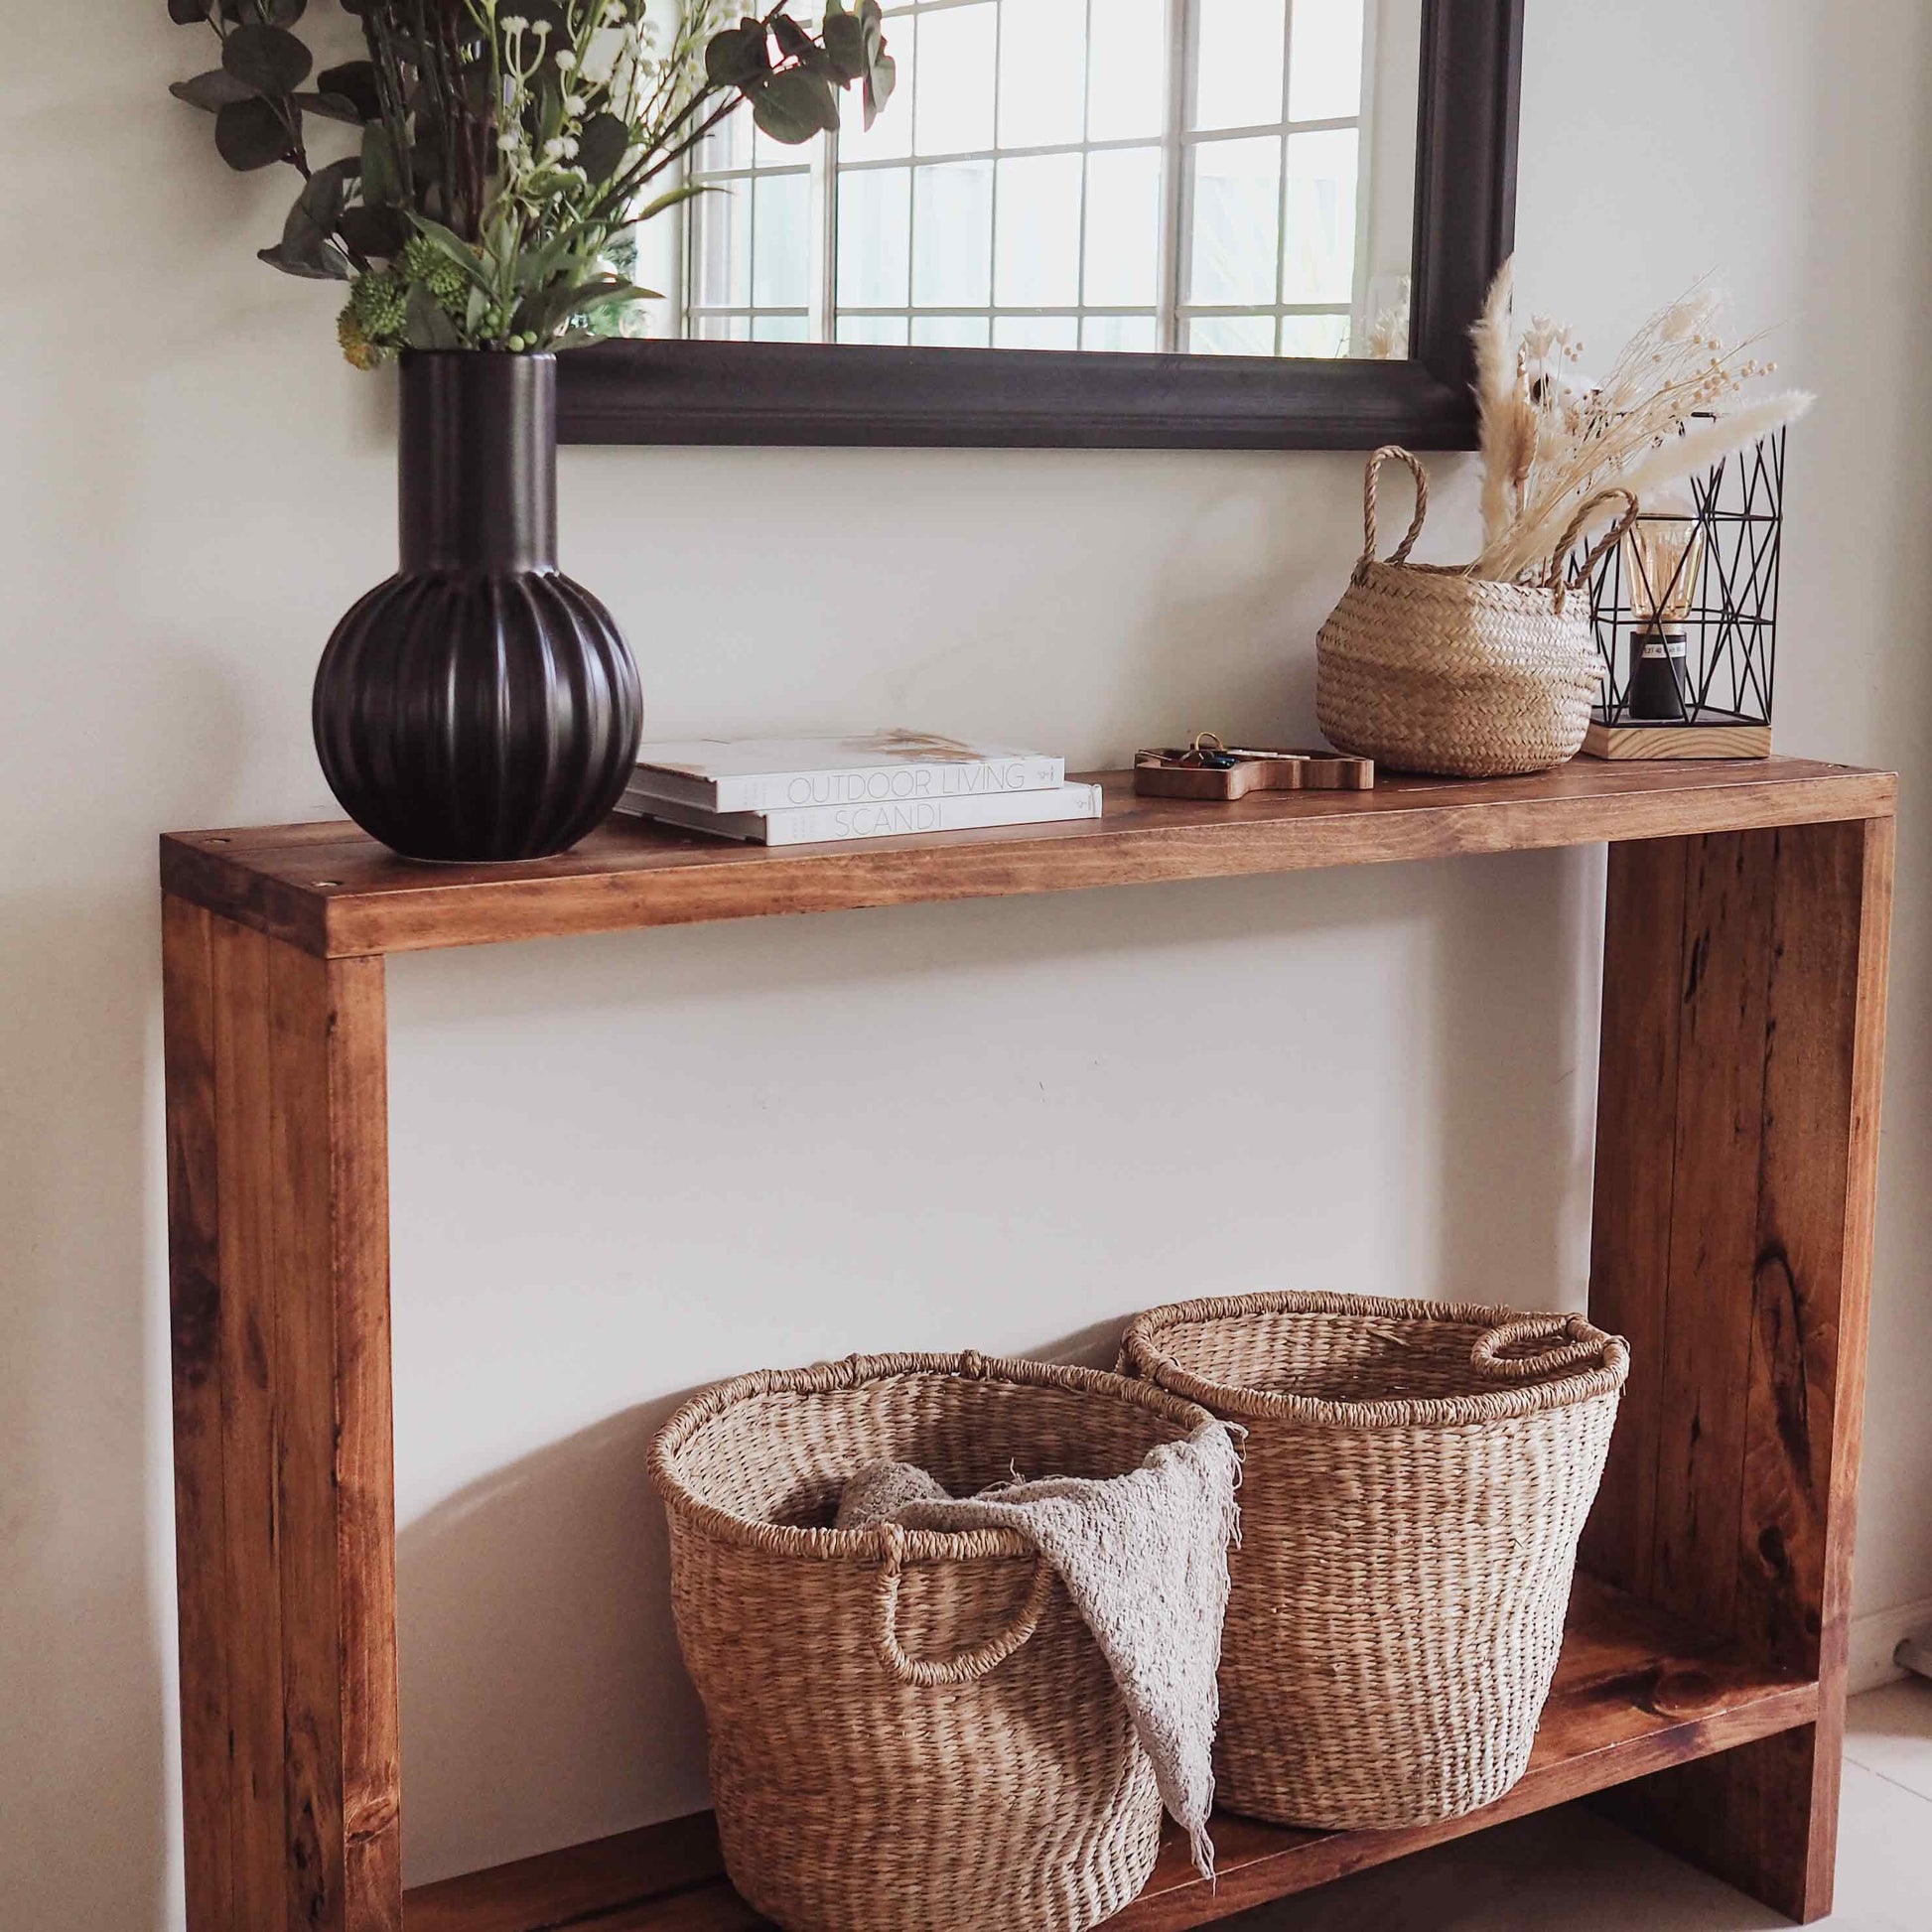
(964, 1666)
(1585, 1345)
(1555, 579)
(1371, 540)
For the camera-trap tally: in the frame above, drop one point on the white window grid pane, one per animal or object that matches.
(1229, 85)
(738, 318)
(1336, 319)
(1041, 76)
(1003, 13)
(955, 101)
(1173, 315)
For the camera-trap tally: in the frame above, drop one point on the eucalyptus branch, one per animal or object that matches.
(615, 200)
(678, 153)
(384, 35)
(651, 166)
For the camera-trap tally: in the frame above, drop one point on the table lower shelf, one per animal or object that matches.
(1636, 1692)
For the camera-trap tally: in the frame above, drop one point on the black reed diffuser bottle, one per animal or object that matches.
(479, 705)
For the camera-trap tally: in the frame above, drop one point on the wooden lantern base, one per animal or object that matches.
(1711, 737)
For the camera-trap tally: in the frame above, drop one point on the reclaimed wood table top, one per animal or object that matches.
(331, 889)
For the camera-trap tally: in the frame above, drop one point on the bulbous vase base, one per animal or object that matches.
(477, 715)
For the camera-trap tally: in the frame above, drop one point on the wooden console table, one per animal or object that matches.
(1704, 1676)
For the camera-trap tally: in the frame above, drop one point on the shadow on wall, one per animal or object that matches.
(1093, 640)
(539, 1604)
(543, 1700)
(1518, 989)
(85, 1746)
(1856, 680)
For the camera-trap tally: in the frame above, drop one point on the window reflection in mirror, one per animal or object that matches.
(1214, 177)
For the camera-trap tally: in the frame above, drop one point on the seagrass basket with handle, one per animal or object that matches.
(1425, 668)
(1415, 1480)
(911, 1730)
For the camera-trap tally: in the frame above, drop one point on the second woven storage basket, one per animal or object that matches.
(1428, 668)
(1416, 1477)
(911, 1730)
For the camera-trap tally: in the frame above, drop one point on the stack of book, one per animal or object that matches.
(809, 790)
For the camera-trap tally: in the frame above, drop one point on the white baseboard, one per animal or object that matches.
(1875, 1636)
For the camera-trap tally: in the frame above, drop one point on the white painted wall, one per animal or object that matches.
(626, 1166)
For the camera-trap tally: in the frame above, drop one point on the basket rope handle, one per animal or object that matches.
(1585, 1345)
(1371, 482)
(964, 1666)
(1554, 578)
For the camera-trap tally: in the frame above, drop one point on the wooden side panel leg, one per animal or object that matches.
(1743, 1022)
(201, 1519)
(285, 1511)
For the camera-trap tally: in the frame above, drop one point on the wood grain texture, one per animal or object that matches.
(251, 1641)
(1621, 1661)
(1636, 1166)
(1718, 1124)
(1798, 1387)
(1677, 742)
(585, 1883)
(329, 890)
(1731, 1491)
(279, 1262)
(205, 1606)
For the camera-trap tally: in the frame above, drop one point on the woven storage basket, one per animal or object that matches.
(1416, 1477)
(1425, 668)
(911, 1730)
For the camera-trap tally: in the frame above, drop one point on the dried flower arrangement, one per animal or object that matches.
(1672, 405)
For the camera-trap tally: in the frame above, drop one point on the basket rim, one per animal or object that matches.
(855, 1371)
(1142, 1349)
(1542, 599)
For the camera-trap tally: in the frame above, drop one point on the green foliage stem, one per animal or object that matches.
(505, 147)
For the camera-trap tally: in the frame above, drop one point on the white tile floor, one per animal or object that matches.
(1569, 1871)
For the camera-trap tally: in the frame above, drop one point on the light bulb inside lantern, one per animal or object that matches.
(1663, 561)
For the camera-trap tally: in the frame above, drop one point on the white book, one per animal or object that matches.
(895, 818)
(764, 774)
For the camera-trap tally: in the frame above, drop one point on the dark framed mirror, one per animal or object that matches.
(1096, 223)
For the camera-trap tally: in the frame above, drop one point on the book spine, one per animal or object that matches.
(832, 824)
(882, 785)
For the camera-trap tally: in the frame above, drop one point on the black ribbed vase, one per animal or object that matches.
(478, 705)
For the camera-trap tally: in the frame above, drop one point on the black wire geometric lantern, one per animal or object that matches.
(1686, 613)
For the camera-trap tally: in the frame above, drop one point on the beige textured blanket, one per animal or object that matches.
(1145, 1559)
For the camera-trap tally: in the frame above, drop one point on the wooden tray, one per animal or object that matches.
(1167, 774)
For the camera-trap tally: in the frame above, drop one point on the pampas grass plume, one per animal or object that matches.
(1677, 457)
(1501, 440)
(1671, 405)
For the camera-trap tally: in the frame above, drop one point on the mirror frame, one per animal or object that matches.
(845, 395)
